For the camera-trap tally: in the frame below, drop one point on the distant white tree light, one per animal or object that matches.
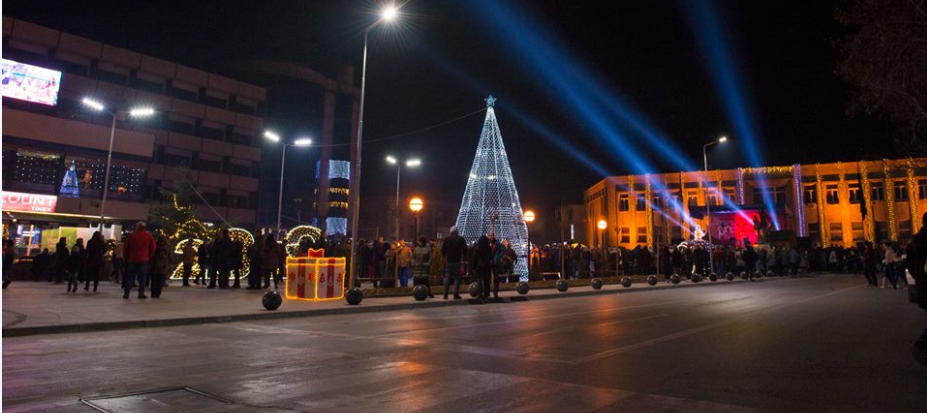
(490, 202)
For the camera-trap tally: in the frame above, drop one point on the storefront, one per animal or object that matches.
(33, 223)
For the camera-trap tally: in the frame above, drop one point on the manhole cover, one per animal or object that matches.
(183, 399)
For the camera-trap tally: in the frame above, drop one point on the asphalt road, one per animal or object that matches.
(820, 344)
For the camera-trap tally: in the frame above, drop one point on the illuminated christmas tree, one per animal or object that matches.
(177, 218)
(490, 202)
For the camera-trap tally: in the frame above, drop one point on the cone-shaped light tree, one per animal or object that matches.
(490, 202)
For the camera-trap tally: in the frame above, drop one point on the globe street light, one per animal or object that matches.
(300, 142)
(136, 112)
(410, 163)
(602, 224)
(711, 247)
(416, 205)
(529, 218)
(388, 14)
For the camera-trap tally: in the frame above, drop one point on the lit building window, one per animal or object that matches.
(624, 203)
(833, 194)
(641, 235)
(901, 191)
(877, 191)
(625, 235)
(641, 203)
(811, 194)
(858, 232)
(836, 232)
(922, 189)
(856, 194)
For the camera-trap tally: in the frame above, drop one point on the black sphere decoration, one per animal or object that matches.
(729, 276)
(674, 279)
(626, 281)
(420, 292)
(713, 277)
(354, 296)
(562, 285)
(596, 283)
(522, 287)
(696, 278)
(271, 300)
(652, 280)
(475, 289)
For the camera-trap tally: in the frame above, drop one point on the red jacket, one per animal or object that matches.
(139, 247)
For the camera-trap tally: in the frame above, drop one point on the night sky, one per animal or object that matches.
(446, 58)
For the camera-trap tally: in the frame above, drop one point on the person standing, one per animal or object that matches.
(62, 260)
(119, 262)
(160, 265)
(916, 261)
(256, 258)
(507, 259)
(271, 262)
(750, 257)
(96, 259)
(482, 263)
(41, 264)
(189, 256)
(403, 263)
(380, 250)
(237, 260)
(202, 256)
(76, 265)
(454, 250)
(139, 249)
(222, 260)
(9, 256)
(421, 263)
(890, 265)
(869, 265)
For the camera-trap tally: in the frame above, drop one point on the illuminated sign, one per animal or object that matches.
(314, 278)
(18, 201)
(30, 83)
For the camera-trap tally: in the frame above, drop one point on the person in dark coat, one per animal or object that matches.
(271, 261)
(454, 250)
(76, 263)
(160, 265)
(41, 265)
(482, 263)
(96, 259)
(202, 256)
(9, 256)
(238, 264)
(256, 258)
(750, 256)
(222, 260)
(916, 261)
(62, 260)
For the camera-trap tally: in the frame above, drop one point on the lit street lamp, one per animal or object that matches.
(416, 205)
(137, 112)
(300, 142)
(602, 224)
(529, 219)
(388, 14)
(410, 163)
(711, 247)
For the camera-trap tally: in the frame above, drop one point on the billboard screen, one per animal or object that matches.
(30, 83)
(733, 227)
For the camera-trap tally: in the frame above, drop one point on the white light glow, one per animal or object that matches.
(303, 142)
(722, 139)
(391, 160)
(389, 13)
(93, 104)
(272, 136)
(413, 162)
(141, 112)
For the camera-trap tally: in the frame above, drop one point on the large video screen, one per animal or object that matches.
(30, 83)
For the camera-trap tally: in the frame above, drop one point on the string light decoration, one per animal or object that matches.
(890, 201)
(242, 235)
(769, 170)
(799, 200)
(867, 198)
(740, 186)
(912, 197)
(195, 268)
(292, 238)
(822, 220)
(490, 202)
(648, 194)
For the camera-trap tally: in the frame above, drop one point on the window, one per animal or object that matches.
(779, 195)
(881, 229)
(858, 232)
(729, 196)
(856, 194)
(37, 168)
(836, 232)
(692, 198)
(833, 194)
(641, 203)
(904, 230)
(712, 197)
(641, 235)
(624, 204)
(658, 202)
(814, 231)
(877, 191)
(676, 233)
(901, 191)
(811, 194)
(625, 235)
(922, 189)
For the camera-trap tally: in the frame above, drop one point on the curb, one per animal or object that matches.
(273, 315)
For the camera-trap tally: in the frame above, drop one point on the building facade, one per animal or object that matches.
(304, 102)
(832, 204)
(208, 123)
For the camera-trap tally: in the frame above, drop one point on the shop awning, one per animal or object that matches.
(71, 219)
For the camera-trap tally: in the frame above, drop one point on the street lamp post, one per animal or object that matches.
(711, 247)
(301, 142)
(410, 163)
(133, 112)
(388, 14)
(529, 219)
(416, 205)
(602, 224)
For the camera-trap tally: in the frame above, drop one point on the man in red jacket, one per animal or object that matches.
(139, 249)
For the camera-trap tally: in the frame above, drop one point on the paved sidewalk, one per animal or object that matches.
(41, 308)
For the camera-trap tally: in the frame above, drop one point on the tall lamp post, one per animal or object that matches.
(416, 205)
(529, 219)
(300, 142)
(137, 112)
(602, 224)
(388, 14)
(410, 163)
(711, 245)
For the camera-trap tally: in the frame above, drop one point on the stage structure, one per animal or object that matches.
(490, 202)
